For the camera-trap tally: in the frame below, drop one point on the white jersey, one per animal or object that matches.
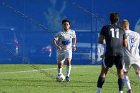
(65, 39)
(131, 53)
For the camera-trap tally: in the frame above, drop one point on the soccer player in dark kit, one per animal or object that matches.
(115, 40)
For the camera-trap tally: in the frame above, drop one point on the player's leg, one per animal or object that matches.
(127, 82)
(60, 61)
(68, 55)
(119, 65)
(126, 68)
(120, 79)
(138, 74)
(136, 67)
(101, 79)
(60, 66)
(137, 70)
(68, 68)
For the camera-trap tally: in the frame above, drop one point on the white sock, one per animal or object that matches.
(98, 90)
(127, 82)
(120, 91)
(60, 70)
(138, 76)
(68, 69)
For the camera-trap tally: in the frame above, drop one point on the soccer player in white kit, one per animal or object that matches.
(131, 53)
(66, 43)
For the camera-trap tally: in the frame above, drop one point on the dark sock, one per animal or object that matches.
(121, 84)
(100, 82)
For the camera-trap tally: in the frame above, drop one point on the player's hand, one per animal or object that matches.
(102, 56)
(74, 48)
(58, 47)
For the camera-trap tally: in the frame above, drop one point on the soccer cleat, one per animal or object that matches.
(129, 91)
(67, 79)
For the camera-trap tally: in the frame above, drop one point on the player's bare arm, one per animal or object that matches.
(125, 43)
(56, 45)
(74, 44)
(101, 39)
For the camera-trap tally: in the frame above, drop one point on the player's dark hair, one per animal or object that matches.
(114, 17)
(65, 20)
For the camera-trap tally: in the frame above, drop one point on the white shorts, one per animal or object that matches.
(128, 63)
(62, 55)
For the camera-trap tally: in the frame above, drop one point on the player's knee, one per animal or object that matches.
(100, 82)
(60, 65)
(121, 74)
(126, 78)
(103, 72)
(138, 75)
(68, 61)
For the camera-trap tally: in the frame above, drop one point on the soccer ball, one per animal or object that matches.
(60, 77)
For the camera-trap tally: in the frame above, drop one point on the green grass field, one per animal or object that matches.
(26, 79)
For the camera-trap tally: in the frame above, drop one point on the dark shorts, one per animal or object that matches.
(109, 61)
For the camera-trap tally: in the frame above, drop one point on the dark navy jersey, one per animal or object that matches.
(114, 36)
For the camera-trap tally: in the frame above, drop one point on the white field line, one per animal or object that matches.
(25, 71)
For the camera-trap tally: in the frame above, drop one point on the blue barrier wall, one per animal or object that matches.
(27, 28)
